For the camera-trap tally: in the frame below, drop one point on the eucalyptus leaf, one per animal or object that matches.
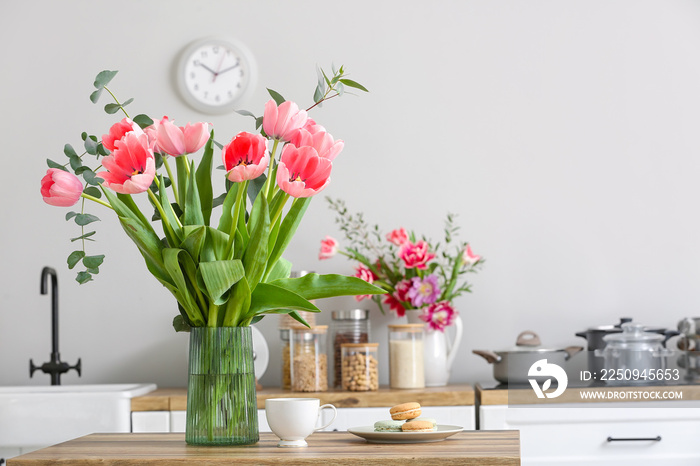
(74, 258)
(353, 84)
(112, 108)
(83, 277)
(103, 78)
(83, 237)
(69, 151)
(90, 146)
(127, 102)
(144, 121)
(93, 191)
(92, 262)
(53, 164)
(91, 178)
(86, 219)
(71, 214)
(276, 96)
(180, 325)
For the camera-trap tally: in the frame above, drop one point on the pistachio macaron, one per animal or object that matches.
(405, 411)
(388, 426)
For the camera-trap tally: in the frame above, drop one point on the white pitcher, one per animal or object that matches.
(439, 352)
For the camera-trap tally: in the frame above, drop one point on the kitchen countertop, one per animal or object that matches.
(502, 394)
(465, 448)
(175, 399)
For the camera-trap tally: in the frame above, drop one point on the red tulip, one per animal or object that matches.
(245, 157)
(118, 130)
(131, 167)
(178, 140)
(61, 188)
(301, 172)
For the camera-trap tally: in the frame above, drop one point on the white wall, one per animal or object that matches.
(564, 134)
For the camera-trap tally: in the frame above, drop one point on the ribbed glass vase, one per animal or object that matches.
(221, 403)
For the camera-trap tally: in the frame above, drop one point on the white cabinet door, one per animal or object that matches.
(614, 434)
(150, 421)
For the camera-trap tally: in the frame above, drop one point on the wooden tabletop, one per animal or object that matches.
(467, 448)
(594, 394)
(175, 399)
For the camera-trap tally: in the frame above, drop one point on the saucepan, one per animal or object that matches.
(512, 365)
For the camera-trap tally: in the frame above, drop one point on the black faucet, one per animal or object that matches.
(55, 367)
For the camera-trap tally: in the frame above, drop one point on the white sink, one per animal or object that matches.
(37, 416)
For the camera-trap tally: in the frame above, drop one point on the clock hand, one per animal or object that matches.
(229, 68)
(208, 69)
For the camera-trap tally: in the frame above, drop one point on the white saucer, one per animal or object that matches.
(368, 433)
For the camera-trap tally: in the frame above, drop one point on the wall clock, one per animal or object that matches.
(214, 74)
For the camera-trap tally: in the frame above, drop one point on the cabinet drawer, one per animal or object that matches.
(596, 436)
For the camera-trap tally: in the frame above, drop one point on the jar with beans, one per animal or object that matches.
(348, 326)
(360, 366)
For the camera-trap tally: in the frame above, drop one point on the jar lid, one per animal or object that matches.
(633, 333)
(406, 327)
(359, 345)
(315, 329)
(350, 314)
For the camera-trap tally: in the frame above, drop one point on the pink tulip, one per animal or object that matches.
(415, 255)
(321, 141)
(439, 315)
(283, 121)
(60, 188)
(364, 272)
(329, 248)
(177, 140)
(245, 157)
(396, 299)
(131, 167)
(398, 236)
(301, 172)
(469, 258)
(118, 130)
(312, 127)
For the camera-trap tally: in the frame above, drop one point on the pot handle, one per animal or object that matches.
(668, 334)
(685, 344)
(528, 338)
(490, 356)
(571, 350)
(582, 335)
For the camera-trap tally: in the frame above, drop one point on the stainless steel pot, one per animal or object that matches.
(595, 338)
(631, 355)
(511, 366)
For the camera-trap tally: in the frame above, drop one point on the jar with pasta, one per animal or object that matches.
(308, 359)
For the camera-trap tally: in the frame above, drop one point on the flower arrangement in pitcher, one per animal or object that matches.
(230, 273)
(415, 273)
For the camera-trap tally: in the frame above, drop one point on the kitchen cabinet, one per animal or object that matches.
(164, 409)
(617, 433)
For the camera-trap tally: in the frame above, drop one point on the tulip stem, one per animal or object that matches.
(240, 193)
(94, 199)
(266, 186)
(172, 182)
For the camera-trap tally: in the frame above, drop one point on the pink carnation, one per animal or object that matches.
(396, 299)
(329, 248)
(415, 255)
(439, 315)
(398, 236)
(367, 275)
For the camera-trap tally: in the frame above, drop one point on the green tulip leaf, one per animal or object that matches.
(268, 298)
(219, 276)
(203, 176)
(315, 286)
(238, 304)
(255, 256)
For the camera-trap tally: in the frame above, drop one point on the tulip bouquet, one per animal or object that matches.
(414, 273)
(225, 274)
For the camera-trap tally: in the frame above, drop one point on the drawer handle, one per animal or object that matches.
(635, 439)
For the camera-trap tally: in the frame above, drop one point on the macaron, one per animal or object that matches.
(425, 419)
(388, 426)
(405, 411)
(418, 426)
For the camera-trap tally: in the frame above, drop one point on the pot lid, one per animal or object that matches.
(633, 333)
(529, 342)
(617, 328)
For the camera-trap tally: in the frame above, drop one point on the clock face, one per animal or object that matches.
(215, 74)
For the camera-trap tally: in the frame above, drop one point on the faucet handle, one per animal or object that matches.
(32, 368)
(77, 367)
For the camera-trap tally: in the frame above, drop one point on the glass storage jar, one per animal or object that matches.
(406, 356)
(348, 326)
(308, 362)
(360, 366)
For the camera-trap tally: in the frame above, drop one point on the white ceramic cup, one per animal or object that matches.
(294, 419)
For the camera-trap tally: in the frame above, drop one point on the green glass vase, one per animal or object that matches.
(221, 403)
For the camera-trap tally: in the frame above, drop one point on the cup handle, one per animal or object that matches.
(335, 413)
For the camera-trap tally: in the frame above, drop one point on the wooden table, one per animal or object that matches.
(500, 448)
